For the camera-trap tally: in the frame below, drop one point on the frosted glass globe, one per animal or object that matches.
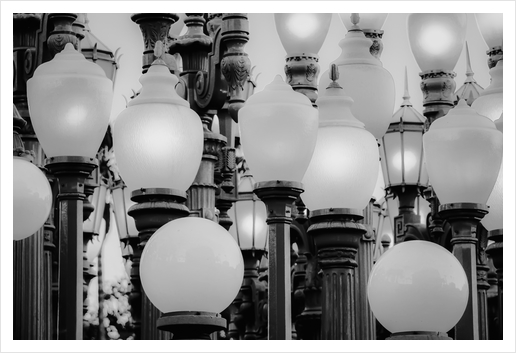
(437, 39)
(490, 102)
(491, 28)
(158, 139)
(494, 219)
(32, 199)
(70, 103)
(463, 154)
(278, 131)
(302, 33)
(191, 264)
(418, 286)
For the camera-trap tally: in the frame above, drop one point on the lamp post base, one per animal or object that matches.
(419, 335)
(191, 325)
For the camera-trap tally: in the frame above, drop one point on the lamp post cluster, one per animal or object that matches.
(285, 249)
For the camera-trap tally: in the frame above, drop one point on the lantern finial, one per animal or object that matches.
(355, 18)
(334, 76)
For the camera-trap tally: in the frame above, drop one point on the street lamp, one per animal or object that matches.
(418, 291)
(371, 24)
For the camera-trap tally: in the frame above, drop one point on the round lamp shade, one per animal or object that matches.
(463, 153)
(158, 139)
(491, 28)
(494, 219)
(70, 103)
(368, 21)
(32, 199)
(490, 102)
(278, 131)
(302, 33)
(366, 81)
(437, 39)
(344, 168)
(191, 264)
(249, 215)
(418, 286)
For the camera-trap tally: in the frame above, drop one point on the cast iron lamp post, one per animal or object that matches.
(278, 177)
(418, 291)
(463, 153)
(346, 156)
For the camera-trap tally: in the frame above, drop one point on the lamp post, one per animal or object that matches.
(371, 24)
(463, 172)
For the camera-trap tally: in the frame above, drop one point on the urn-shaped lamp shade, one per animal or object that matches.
(366, 81)
(32, 198)
(344, 167)
(302, 33)
(70, 102)
(278, 131)
(437, 39)
(418, 286)
(249, 216)
(191, 264)
(490, 102)
(494, 219)
(368, 21)
(158, 139)
(463, 153)
(491, 28)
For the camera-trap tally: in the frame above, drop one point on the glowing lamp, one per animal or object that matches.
(494, 219)
(70, 102)
(491, 28)
(278, 131)
(368, 21)
(463, 153)
(302, 33)
(344, 168)
(185, 262)
(490, 102)
(32, 198)
(158, 139)
(249, 215)
(418, 286)
(437, 39)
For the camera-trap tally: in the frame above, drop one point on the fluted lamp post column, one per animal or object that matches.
(346, 158)
(278, 130)
(70, 102)
(463, 152)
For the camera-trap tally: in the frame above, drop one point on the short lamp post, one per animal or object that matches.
(418, 291)
(346, 156)
(278, 119)
(463, 172)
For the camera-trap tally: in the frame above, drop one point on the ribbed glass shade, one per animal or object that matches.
(490, 102)
(302, 33)
(368, 21)
(278, 131)
(437, 39)
(366, 81)
(344, 167)
(463, 153)
(191, 264)
(158, 139)
(494, 219)
(249, 216)
(418, 286)
(70, 102)
(491, 28)
(32, 199)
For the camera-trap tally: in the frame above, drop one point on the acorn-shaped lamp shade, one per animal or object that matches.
(191, 264)
(278, 131)
(32, 199)
(70, 103)
(418, 286)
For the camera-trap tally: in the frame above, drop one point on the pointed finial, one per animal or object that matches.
(334, 76)
(406, 94)
(469, 72)
(355, 18)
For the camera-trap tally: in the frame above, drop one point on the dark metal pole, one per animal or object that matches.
(495, 250)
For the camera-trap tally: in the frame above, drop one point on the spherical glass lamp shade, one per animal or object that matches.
(366, 81)
(344, 168)
(95, 245)
(278, 131)
(121, 203)
(494, 219)
(191, 264)
(70, 103)
(158, 139)
(418, 286)
(463, 153)
(490, 102)
(437, 39)
(302, 33)
(32, 199)
(491, 28)
(249, 215)
(368, 21)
